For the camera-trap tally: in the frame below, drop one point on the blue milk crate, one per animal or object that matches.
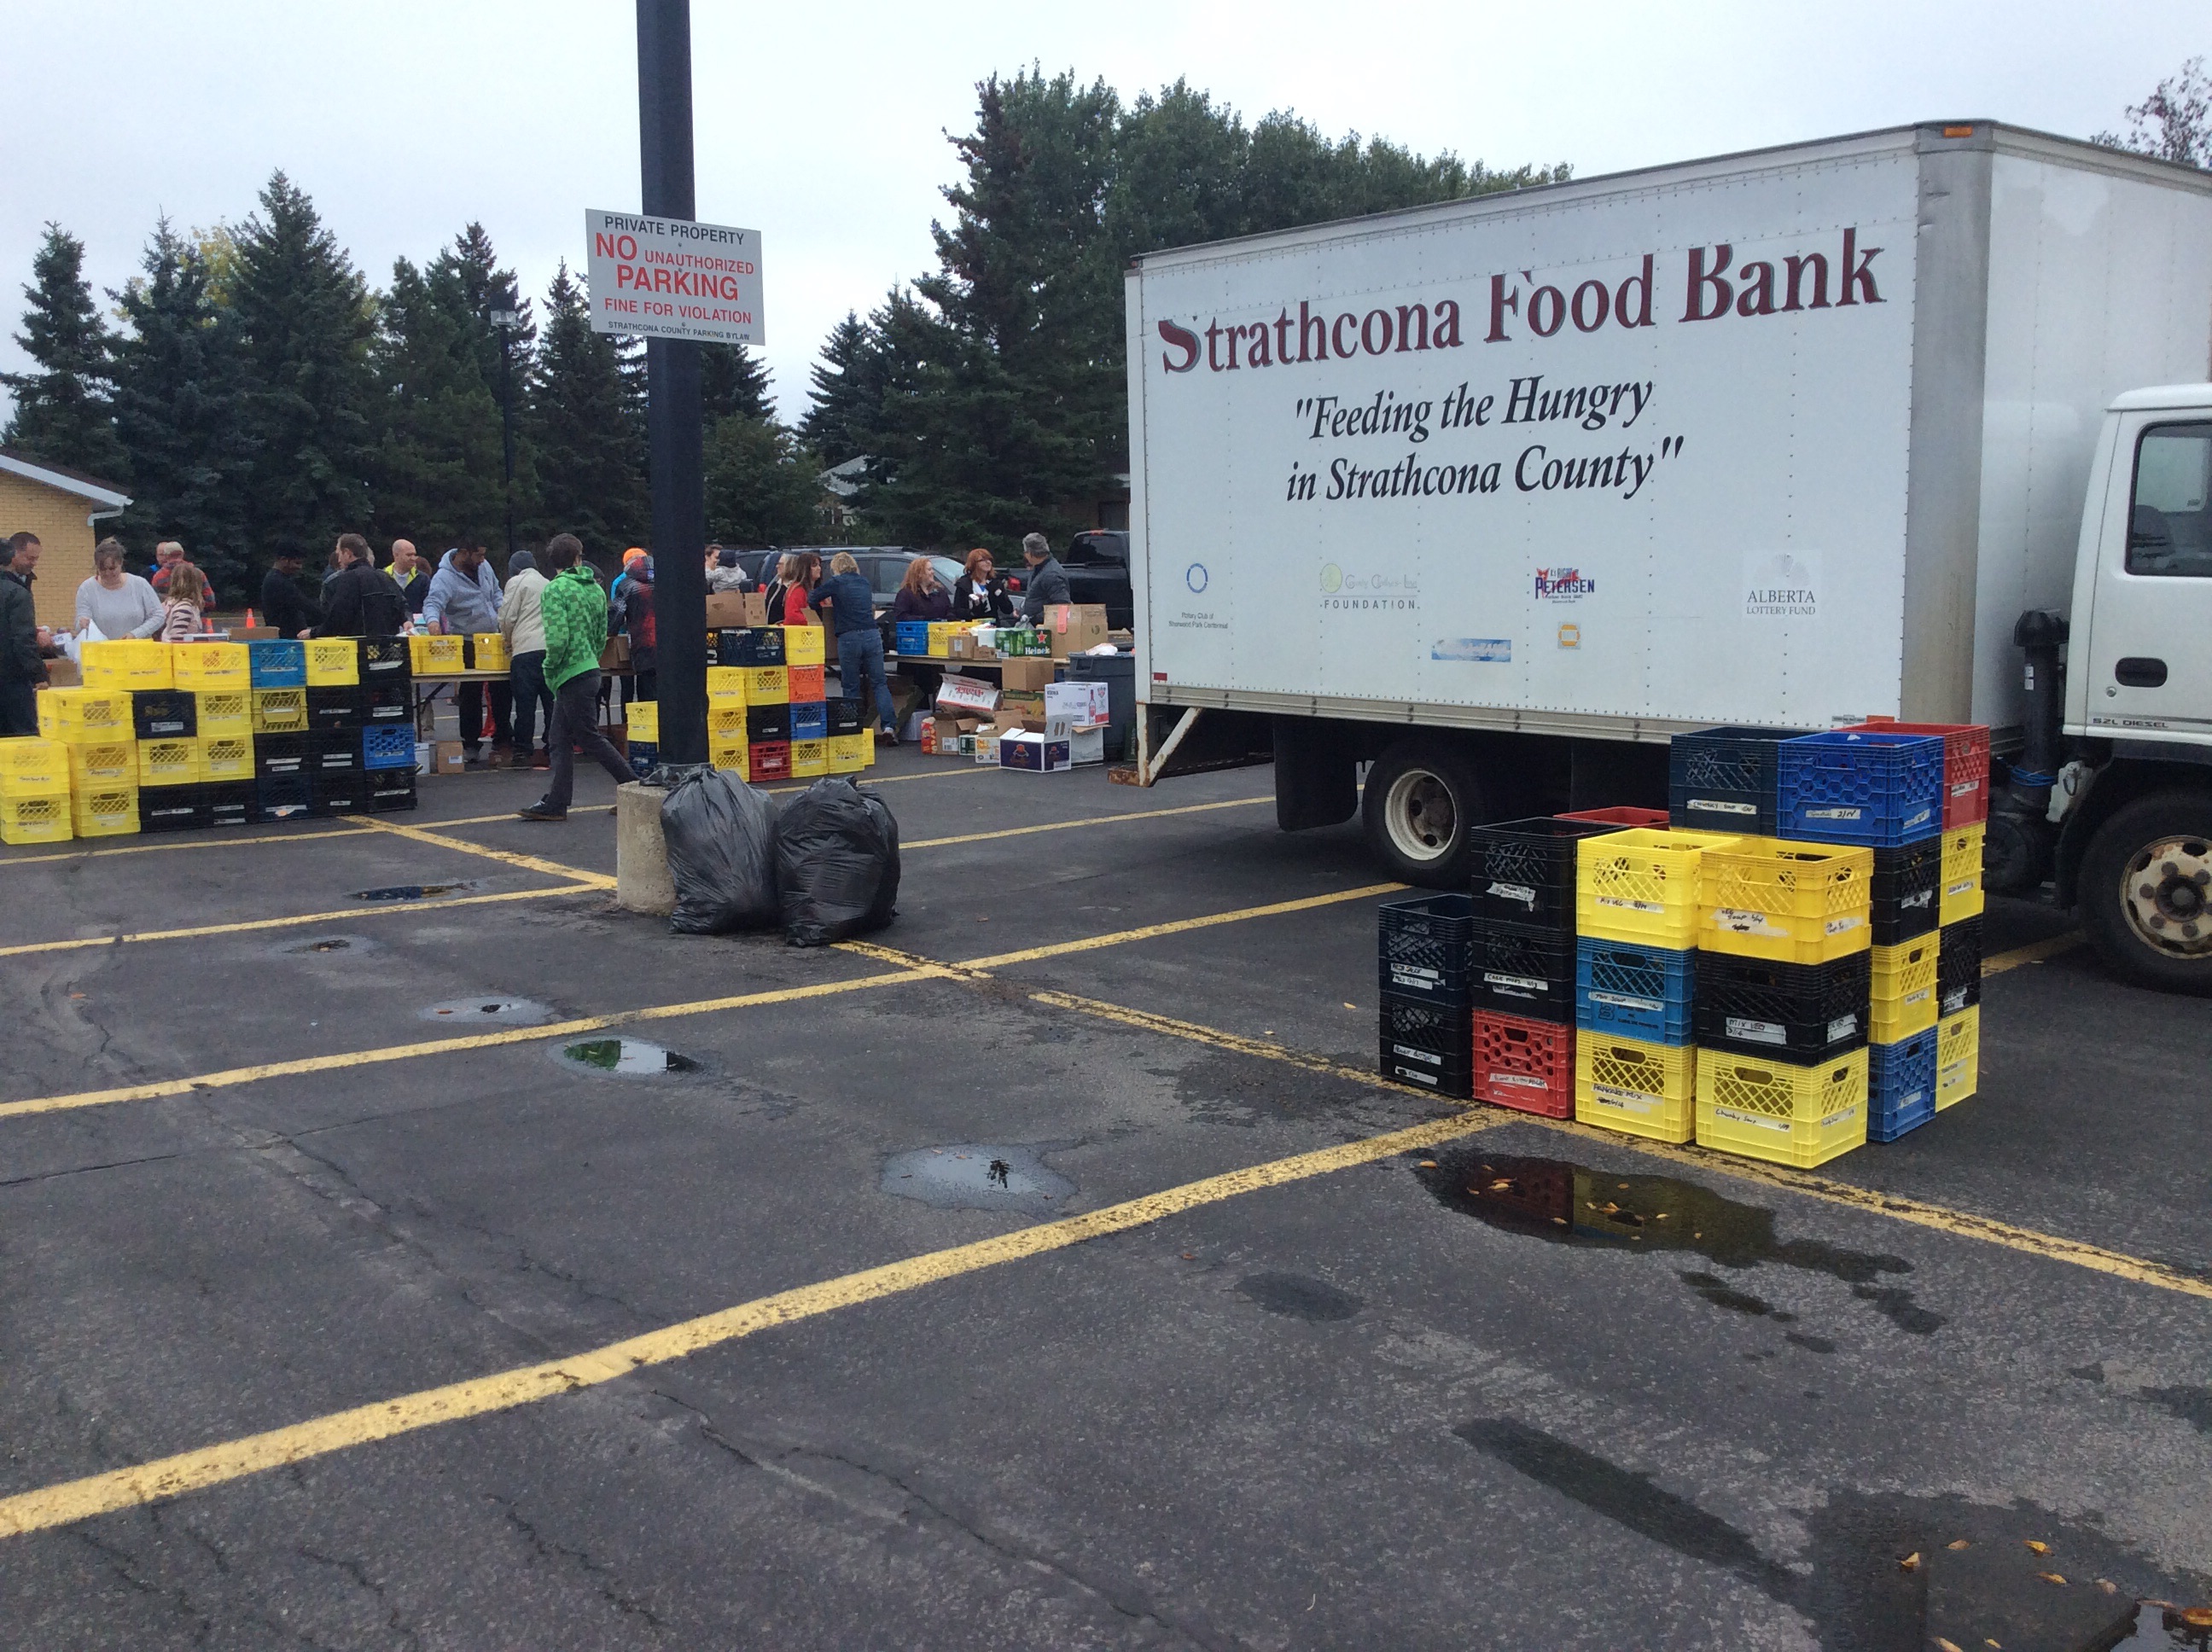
(644, 756)
(386, 745)
(1634, 992)
(1900, 1086)
(1856, 786)
(1724, 780)
(278, 665)
(810, 720)
(913, 637)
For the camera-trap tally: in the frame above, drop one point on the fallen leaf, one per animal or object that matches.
(1986, 1640)
(1562, 1222)
(1190, 1256)
(1959, 1544)
(2197, 1617)
(1500, 1186)
(1662, 1216)
(1910, 1563)
(1349, 1005)
(1426, 1165)
(2050, 1577)
(1942, 1645)
(2040, 1548)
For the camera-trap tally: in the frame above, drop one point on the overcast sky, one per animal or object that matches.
(822, 125)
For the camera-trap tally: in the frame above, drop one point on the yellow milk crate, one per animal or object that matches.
(1904, 990)
(490, 651)
(728, 753)
(224, 711)
(210, 665)
(1641, 885)
(726, 684)
(1961, 892)
(1780, 1111)
(1627, 1084)
(805, 645)
(724, 722)
(96, 715)
(1786, 902)
(850, 753)
(810, 759)
(333, 662)
(34, 767)
(43, 819)
(279, 711)
(169, 763)
(227, 757)
(940, 639)
(131, 663)
(111, 763)
(105, 811)
(642, 718)
(1958, 1056)
(432, 656)
(767, 685)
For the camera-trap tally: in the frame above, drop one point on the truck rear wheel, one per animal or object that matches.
(2146, 891)
(1421, 799)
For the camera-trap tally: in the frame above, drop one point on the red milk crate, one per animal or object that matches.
(1966, 765)
(1526, 1064)
(768, 760)
(1622, 815)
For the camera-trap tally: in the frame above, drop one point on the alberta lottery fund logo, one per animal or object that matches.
(1782, 585)
(1367, 591)
(1563, 584)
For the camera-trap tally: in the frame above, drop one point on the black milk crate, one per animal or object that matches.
(1802, 1013)
(1959, 966)
(232, 802)
(337, 794)
(1423, 948)
(283, 797)
(1904, 888)
(391, 791)
(165, 714)
(766, 724)
(331, 708)
(845, 717)
(753, 644)
(386, 660)
(1428, 1044)
(173, 809)
(1724, 780)
(1524, 870)
(1517, 969)
(388, 700)
(336, 751)
(280, 756)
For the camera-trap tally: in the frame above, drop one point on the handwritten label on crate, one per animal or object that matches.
(1737, 1115)
(1758, 1032)
(1517, 1080)
(1520, 892)
(1612, 1096)
(1737, 921)
(1721, 806)
(1626, 905)
(1412, 1055)
(1527, 983)
(1622, 1000)
(1843, 1026)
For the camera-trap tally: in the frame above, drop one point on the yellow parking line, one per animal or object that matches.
(2033, 952)
(1066, 825)
(527, 862)
(189, 843)
(194, 1471)
(1151, 931)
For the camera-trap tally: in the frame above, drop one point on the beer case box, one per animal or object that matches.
(1034, 753)
(1074, 627)
(1086, 746)
(1021, 704)
(971, 694)
(1025, 676)
(1082, 704)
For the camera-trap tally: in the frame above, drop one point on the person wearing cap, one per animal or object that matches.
(637, 609)
(522, 623)
(631, 558)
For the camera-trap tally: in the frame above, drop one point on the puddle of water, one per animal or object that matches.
(1561, 1202)
(408, 891)
(978, 1176)
(1296, 1296)
(501, 1012)
(626, 1058)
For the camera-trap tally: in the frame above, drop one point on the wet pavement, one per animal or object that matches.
(1519, 1388)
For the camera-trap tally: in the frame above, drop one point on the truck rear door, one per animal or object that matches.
(2149, 655)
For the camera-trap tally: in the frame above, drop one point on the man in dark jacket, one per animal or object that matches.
(1048, 581)
(642, 629)
(364, 601)
(284, 606)
(25, 644)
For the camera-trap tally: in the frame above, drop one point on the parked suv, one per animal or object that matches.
(1097, 567)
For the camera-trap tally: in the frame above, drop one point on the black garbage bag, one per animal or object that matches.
(721, 853)
(837, 866)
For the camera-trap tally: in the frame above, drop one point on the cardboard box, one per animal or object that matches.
(987, 747)
(1074, 627)
(62, 673)
(968, 724)
(971, 694)
(1021, 705)
(1081, 703)
(1027, 676)
(252, 634)
(1087, 745)
(967, 646)
(1036, 753)
(734, 609)
(614, 657)
(446, 758)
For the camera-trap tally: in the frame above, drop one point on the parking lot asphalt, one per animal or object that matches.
(1050, 1271)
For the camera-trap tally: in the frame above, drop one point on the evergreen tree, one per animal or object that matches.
(437, 457)
(179, 395)
(587, 423)
(62, 410)
(762, 488)
(733, 380)
(847, 392)
(307, 320)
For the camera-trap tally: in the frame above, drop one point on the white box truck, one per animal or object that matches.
(1489, 499)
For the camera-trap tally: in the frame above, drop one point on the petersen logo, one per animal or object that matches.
(1563, 584)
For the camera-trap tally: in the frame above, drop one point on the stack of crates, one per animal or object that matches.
(852, 748)
(34, 790)
(1636, 915)
(749, 704)
(217, 677)
(337, 775)
(94, 727)
(386, 667)
(282, 774)
(171, 773)
(642, 735)
(1424, 958)
(805, 666)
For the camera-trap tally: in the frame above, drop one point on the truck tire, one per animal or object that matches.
(1422, 797)
(2146, 891)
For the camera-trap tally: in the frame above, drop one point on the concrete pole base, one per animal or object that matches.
(641, 879)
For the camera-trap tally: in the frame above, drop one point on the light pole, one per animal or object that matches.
(507, 322)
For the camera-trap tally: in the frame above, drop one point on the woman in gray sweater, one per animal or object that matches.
(121, 605)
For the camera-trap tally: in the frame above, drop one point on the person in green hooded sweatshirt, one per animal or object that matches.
(574, 610)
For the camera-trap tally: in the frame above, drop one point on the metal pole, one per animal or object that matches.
(675, 440)
(507, 425)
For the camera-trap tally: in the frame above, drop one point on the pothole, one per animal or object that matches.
(324, 946)
(978, 1176)
(1298, 1297)
(625, 1058)
(499, 1011)
(409, 891)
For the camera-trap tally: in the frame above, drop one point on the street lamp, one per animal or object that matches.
(507, 323)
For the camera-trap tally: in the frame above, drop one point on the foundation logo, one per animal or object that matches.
(1354, 590)
(1563, 584)
(1196, 578)
(1332, 579)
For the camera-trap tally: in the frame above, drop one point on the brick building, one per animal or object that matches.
(64, 508)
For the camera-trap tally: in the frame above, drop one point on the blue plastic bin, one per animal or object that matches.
(912, 637)
(275, 665)
(810, 720)
(1852, 786)
(1900, 1086)
(1634, 992)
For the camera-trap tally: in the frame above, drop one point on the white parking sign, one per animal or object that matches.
(672, 278)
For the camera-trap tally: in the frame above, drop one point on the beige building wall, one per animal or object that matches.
(59, 519)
